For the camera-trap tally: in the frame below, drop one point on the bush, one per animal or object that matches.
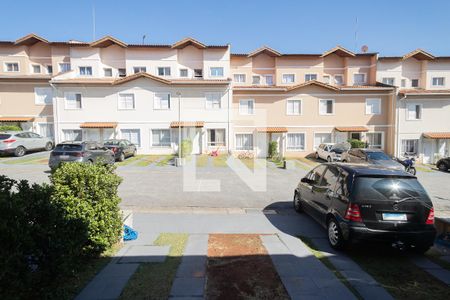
(89, 193)
(48, 231)
(357, 143)
(10, 128)
(273, 149)
(186, 148)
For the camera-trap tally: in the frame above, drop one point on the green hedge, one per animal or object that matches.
(48, 230)
(186, 148)
(10, 128)
(357, 143)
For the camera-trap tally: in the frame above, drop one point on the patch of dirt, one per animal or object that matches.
(239, 267)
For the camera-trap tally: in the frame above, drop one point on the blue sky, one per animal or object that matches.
(389, 27)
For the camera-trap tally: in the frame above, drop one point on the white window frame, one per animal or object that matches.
(63, 131)
(211, 73)
(211, 107)
(378, 100)
(5, 65)
(164, 71)
(42, 124)
(163, 145)
(65, 64)
(119, 102)
(300, 107)
(326, 81)
(241, 112)
(36, 65)
(259, 79)
(139, 144)
(364, 81)
(36, 98)
(334, 107)
(403, 82)
(187, 72)
(46, 69)
(311, 74)
(268, 76)
(416, 141)
(338, 75)
(387, 79)
(74, 93)
(321, 132)
(104, 72)
(244, 133)
(139, 69)
(238, 76)
(438, 77)
(87, 68)
(407, 111)
(290, 149)
(215, 144)
(375, 132)
(287, 74)
(155, 107)
(418, 82)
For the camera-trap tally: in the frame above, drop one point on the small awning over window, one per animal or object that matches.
(352, 129)
(436, 135)
(197, 124)
(16, 119)
(99, 125)
(272, 129)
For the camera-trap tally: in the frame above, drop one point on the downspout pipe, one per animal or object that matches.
(397, 135)
(55, 113)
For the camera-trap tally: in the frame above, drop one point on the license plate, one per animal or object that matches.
(394, 217)
(64, 156)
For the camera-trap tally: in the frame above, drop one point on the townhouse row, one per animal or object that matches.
(158, 95)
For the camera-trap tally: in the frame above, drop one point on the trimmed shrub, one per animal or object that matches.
(273, 149)
(357, 143)
(88, 193)
(10, 128)
(186, 147)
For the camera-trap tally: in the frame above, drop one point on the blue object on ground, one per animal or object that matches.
(129, 234)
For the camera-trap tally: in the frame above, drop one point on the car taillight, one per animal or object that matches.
(353, 213)
(78, 154)
(430, 219)
(9, 141)
(114, 149)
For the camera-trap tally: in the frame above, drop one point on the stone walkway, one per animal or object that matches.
(435, 270)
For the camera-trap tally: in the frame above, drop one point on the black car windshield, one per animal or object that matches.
(68, 147)
(378, 156)
(112, 142)
(4, 136)
(389, 188)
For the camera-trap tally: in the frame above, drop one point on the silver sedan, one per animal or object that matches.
(19, 142)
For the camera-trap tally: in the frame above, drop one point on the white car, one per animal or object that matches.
(331, 152)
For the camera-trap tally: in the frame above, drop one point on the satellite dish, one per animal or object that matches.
(364, 49)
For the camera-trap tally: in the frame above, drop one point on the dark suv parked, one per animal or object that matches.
(443, 164)
(86, 152)
(358, 202)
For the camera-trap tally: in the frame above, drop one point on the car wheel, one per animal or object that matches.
(329, 158)
(335, 237)
(121, 157)
(134, 152)
(442, 167)
(20, 151)
(317, 155)
(344, 161)
(298, 203)
(48, 146)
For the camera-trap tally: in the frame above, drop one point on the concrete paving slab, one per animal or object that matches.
(187, 287)
(145, 254)
(144, 238)
(434, 269)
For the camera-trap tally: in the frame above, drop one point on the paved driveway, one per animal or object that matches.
(147, 188)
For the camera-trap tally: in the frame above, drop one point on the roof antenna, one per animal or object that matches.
(356, 34)
(143, 39)
(93, 21)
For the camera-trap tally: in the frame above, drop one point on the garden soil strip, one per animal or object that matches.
(239, 267)
(147, 160)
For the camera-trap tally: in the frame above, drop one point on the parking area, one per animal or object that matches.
(152, 182)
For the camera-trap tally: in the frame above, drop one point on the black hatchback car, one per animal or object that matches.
(358, 202)
(121, 148)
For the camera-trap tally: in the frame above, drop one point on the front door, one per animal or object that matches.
(427, 151)
(262, 140)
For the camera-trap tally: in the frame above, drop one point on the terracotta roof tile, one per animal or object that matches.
(423, 92)
(419, 54)
(16, 119)
(267, 50)
(177, 124)
(107, 41)
(340, 51)
(272, 129)
(352, 129)
(99, 125)
(30, 39)
(436, 135)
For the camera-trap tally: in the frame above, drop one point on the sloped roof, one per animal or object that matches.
(16, 119)
(188, 42)
(419, 54)
(197, 124)
(352, 129)
(313, 82)
(340, 51)
(264, 49)
(107, 41)
(98, 125)
(140, 75)
(436, 135)
(424, 92)
(30, 39)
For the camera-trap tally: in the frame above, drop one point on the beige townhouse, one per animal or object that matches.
(423, 103)
(303, 100)
(26, 66)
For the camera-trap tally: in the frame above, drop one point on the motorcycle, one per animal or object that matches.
(408, 163)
